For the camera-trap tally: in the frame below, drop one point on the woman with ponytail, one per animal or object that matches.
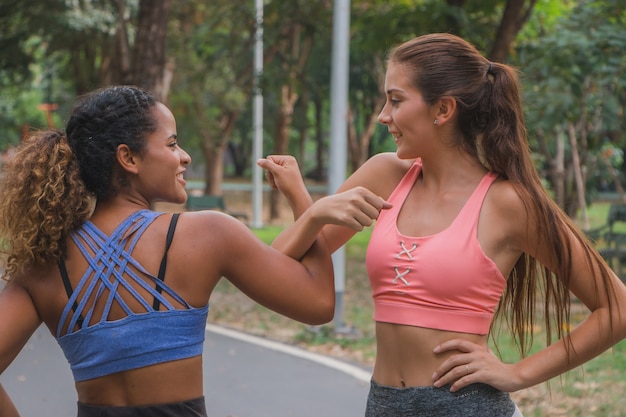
(472, 233)
(125, 289)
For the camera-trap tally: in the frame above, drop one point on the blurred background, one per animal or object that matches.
(198, 57)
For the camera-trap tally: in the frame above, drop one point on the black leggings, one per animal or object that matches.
(190, 408)
(476, 400)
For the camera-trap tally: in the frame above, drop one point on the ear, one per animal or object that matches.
(446, 109)
(127, 159)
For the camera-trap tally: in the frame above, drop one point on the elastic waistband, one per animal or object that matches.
(190, 408)
(476, 400)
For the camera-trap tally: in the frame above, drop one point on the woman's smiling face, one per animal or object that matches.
(409, 119)
(164, 161)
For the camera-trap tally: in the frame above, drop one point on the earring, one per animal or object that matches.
(436, 122)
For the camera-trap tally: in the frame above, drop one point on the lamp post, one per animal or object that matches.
(257, 148)
(338, 135)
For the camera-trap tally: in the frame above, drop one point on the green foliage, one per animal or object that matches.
(573, 77)
(546, 15)
(571, 52)
(577, 67)
(21, 23)
(212, 45)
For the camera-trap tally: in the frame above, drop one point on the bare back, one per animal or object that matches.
(163, 382)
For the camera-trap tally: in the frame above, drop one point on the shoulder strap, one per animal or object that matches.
(156, 304)
(399, 194)
(472, 207)
(68, 287)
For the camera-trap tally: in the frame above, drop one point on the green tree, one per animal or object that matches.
(575, 92)
(292, 28)
(378, 25)
(212, 45)
(77, 47)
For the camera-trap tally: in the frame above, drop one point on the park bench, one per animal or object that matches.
(612, 242)
(212, 202)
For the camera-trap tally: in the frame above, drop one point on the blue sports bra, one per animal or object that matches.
(165, 330)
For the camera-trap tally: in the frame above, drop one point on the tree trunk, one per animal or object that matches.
(318, 172)
(214, 167)
(559, 171)
(580, 183)
(281, 139)
(121, 53)
(149, 63)
(513, 19)
(303, 124)
(298, 50)
(359, 145)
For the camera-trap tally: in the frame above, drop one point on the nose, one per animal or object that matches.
(185, 158)
(384, 116)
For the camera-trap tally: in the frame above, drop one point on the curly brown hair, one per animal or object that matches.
(50, 186)
(42, 199)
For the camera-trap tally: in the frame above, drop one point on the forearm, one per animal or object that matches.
(300, 203)
(296, 239)
(594, 336)
(7, 408)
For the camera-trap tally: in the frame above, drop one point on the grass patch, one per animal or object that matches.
(268, 233)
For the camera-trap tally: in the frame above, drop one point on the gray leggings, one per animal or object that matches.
(476, 400)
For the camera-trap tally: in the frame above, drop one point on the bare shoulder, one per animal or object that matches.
(507, 212)
(205, 246)
(38, 278)
(388, 161)
(505, 199)
(208, 227)
(381, 173)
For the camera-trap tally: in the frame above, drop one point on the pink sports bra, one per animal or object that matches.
(443, 281)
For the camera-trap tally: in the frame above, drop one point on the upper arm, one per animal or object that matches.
(380, 174)
(584, 273)
(18, 321)
(266, 275)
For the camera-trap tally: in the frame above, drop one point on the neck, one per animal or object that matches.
(451, 169)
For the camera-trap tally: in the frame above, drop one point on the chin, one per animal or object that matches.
(180, 200)
(171, 200)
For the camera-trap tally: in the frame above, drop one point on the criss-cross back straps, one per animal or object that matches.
(110, 265)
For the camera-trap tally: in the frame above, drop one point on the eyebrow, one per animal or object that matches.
(394, 90)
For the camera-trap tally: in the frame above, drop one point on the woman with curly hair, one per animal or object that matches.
(125, 289)
(471, 230)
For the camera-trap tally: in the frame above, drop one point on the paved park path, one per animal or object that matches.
(244, 376)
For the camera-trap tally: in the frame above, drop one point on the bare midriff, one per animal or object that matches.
(168, 382)
(405, 357)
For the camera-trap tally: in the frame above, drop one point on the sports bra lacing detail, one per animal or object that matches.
(111, 266)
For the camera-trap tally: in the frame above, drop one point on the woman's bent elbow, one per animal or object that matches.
(323, 312)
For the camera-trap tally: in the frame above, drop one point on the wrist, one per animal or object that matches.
(520, 377)
(299, 204)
